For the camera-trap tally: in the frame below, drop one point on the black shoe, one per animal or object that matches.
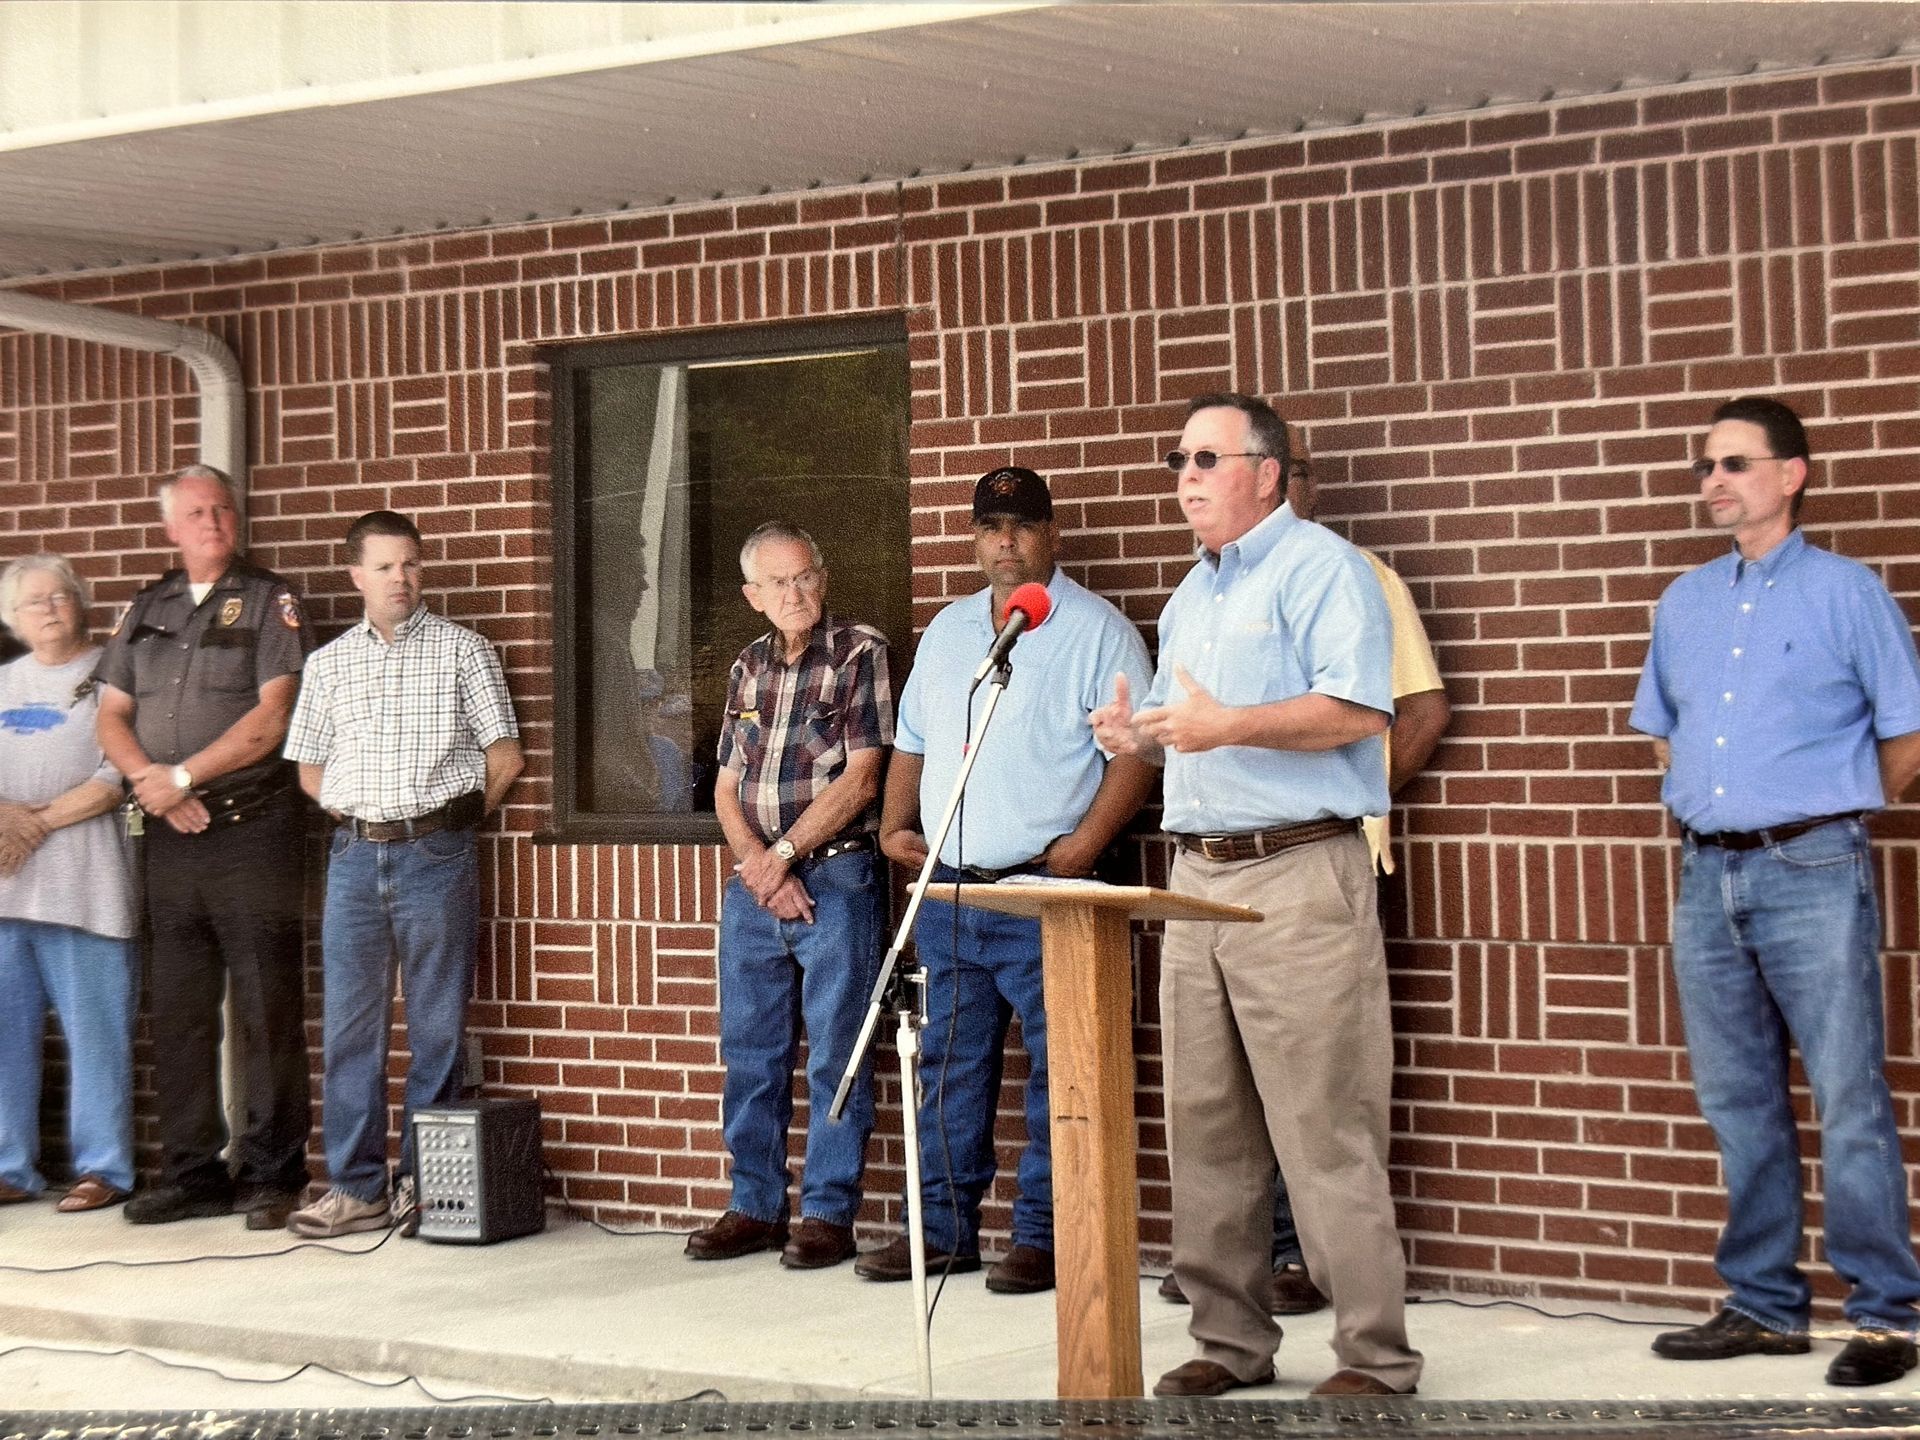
(176, 1202)
(1726, 1335)
(1873, 1357)
(270, 1212)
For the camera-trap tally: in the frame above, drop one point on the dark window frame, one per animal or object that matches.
(569, 825)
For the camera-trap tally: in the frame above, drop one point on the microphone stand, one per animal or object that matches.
(906, 993)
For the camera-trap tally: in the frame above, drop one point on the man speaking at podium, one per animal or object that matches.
(1277, 1035)
(1043, 799)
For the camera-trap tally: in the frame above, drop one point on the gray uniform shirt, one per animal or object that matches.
(194, 670)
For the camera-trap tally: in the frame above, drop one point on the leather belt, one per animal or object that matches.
(981, 875)
(945, 874)
(846, 845)
(1258, 844)
(463, 812)
(1760, 839)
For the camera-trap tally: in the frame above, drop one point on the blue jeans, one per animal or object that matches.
(416, 902)
(774, 975)
(88, 979)
(1286, 1234)
(1780, 945)
(990, 971)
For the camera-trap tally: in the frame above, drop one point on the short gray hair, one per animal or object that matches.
(777, 530)
(15, 575)
(190, 472)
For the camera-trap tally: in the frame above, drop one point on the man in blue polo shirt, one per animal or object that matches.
(1783, 693)
(1042, 797)
(1270, 705)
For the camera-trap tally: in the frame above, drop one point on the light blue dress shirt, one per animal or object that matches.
(1288, 609)
(1773, 680)
(1039, 767)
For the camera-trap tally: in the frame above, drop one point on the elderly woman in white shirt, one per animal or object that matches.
(66, 914)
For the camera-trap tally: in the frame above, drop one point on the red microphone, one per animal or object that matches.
(1027, 609)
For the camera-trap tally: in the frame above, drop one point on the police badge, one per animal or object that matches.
(230, 609)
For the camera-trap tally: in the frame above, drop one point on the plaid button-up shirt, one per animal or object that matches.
(790, 728)
(401, 728)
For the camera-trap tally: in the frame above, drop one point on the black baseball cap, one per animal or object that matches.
(1012, 490)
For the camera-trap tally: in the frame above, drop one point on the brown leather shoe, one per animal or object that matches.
(734, 1235)
(1357, 1382)
(1294, 1292)
(13, 1194)
(816, 1244)
(89, 1192)
(1023, 1270)
(894, 1261)
(1204, 1377)
(1170, 1290)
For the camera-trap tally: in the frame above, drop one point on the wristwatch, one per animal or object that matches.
(783, 847)
(182, 777)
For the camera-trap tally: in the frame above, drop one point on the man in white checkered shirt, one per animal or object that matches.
(405, 734)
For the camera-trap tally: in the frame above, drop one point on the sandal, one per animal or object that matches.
(89, 1192)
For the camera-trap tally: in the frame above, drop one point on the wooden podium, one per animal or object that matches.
(1088, 968)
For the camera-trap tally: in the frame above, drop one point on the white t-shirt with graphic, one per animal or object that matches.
(78, 877)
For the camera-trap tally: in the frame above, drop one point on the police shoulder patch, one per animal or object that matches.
(289, 610)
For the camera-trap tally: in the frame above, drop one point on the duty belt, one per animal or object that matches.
(1258, 844)
(247, 800)
(1760, 839)
(463, 812)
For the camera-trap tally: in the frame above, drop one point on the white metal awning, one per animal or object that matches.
(738, 100)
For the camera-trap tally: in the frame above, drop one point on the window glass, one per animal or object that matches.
(672, 460)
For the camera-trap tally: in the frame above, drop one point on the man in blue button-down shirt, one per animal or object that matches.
(1042, 798)
(1784, 693)
(1273, 693)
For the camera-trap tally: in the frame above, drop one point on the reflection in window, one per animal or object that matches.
(674, 458)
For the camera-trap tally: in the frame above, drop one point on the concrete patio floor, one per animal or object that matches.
(577, 1314)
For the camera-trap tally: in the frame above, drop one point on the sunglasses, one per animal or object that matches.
(1732, 464)
(1207, 459)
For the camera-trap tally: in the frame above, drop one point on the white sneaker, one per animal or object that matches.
(338, 1213)
(405, 1209)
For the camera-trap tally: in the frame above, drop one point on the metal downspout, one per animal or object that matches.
(223, 395)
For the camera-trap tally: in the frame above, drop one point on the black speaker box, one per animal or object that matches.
(477, 1171)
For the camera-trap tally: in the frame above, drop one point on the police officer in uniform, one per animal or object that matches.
(198, 682)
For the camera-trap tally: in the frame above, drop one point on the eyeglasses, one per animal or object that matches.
(1207, 459)
(59, 599)
(807, 582)
(1732, 464)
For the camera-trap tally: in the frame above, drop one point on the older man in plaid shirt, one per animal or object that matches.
(405, 734)
(809, 717)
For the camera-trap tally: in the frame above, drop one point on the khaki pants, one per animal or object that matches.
(1278, 1045)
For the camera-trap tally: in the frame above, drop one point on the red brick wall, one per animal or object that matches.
(1502, 332)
